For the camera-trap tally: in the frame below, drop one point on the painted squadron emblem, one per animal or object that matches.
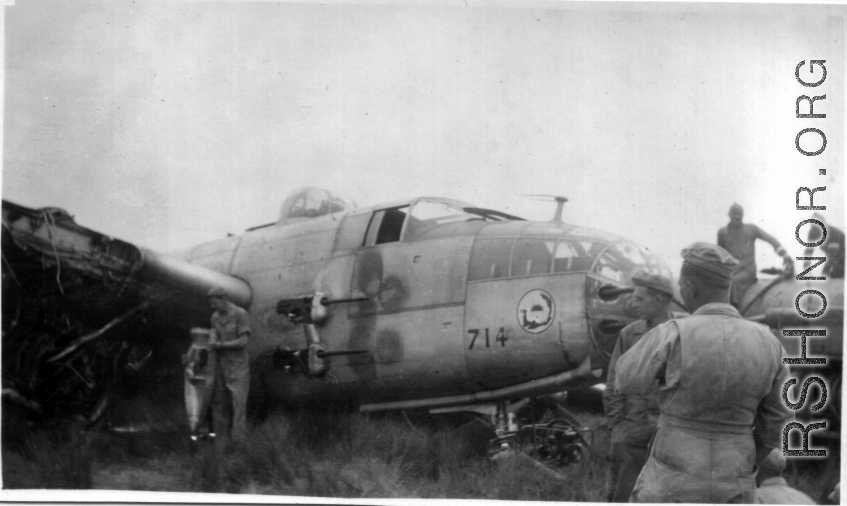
(536, 311)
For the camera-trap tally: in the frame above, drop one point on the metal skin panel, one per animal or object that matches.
(546, 230)
(593, 235)
(505, 229)
(414, 354)
(402, 276)
(284, 278)
(412, 329)
(215, 255)
(494, 307)
(272, 248)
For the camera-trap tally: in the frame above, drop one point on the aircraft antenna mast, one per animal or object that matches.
(560, 204)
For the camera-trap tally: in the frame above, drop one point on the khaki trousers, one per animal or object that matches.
(627, 456)
(229, 402)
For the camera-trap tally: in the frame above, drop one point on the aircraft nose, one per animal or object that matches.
(609, 291)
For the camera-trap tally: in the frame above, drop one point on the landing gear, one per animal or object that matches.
(504, 432)
(553, 440)
(559, 442)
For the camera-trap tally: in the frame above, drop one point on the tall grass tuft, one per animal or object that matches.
(60, 456)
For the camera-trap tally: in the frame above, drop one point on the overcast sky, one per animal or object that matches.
(172, 123)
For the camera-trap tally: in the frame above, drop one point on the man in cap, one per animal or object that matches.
(720, 377)
(633, 417)
(739, 239)
(231, 327)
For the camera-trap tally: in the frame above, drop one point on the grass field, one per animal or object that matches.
(318, 454)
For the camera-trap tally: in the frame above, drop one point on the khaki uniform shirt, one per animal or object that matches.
(641, 409)
(719, 377)
(728, 371)
(229, 326)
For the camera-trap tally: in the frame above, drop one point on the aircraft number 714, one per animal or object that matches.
(500, 337)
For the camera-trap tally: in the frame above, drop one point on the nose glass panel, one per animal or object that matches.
(608, 291)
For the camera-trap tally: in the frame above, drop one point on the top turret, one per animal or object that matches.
(309, 202)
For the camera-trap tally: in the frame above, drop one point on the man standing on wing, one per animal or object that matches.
(720, 377)
(739, 239)
(633, 417)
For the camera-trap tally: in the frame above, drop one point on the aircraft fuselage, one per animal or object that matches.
(455, 306)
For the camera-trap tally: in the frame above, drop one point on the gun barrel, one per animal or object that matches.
(305, 303)
(326, 302)
(322, 354)
(611, 292)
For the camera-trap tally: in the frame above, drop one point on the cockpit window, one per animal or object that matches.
(532, 257)
(386, 226)
(427, 215)
(655, 265)
(574, 256)
(611, 267)
(430, 214)
(437, 212)
(490, 259)
(621, 260)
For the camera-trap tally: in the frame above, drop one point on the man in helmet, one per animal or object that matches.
(633, 418)
(231, 329)
(739, 239)
(720, 377)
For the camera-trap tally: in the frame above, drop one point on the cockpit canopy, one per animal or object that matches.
(427, 217)
(496, 258)
(306, 203)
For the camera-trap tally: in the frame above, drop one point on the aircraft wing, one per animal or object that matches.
(75, 302)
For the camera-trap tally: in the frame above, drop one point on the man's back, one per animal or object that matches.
(729, 365)
(720, 376)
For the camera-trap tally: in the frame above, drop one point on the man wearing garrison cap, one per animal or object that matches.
(739, 239)
(231, 331)
(633, 417)
(720, 380)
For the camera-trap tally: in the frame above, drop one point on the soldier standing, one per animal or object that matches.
(720, 376)
(739, 239)
(633, 418)
(232, 328)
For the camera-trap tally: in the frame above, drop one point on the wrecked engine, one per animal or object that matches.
(79, 317)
